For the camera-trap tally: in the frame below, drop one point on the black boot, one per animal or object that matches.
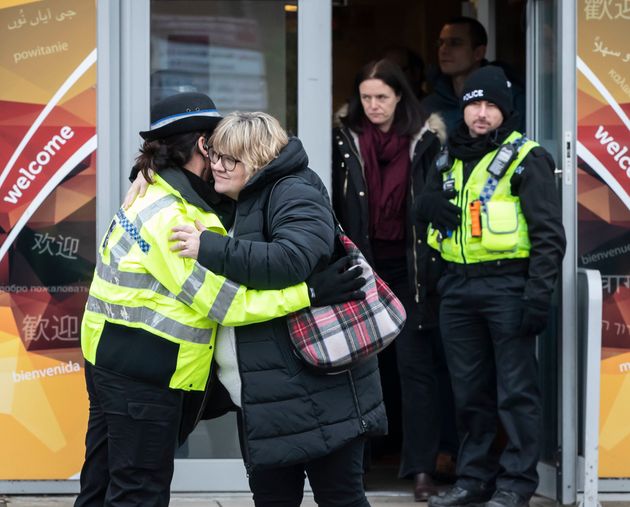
(424, 487)
(460, 497)
(502, 498)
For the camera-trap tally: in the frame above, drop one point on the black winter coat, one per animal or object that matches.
(290, 414)
(351, 207)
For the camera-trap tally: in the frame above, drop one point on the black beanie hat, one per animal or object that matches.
(489, 83)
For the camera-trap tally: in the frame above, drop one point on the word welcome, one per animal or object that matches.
(51, 371)
(620, 81)
(614, 149)
(605, 254)
(42, 159)
(40, 51)
(13, 288)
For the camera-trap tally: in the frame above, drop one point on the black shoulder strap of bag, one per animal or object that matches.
(267, 223)
(266, 214)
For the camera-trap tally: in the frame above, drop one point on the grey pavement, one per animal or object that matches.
(196, 500)
(398, 499)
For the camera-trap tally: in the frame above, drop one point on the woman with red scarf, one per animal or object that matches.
(381, 156)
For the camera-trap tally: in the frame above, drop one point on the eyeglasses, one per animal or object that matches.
(228, 162)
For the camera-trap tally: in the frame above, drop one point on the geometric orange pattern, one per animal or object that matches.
(47, 265)
(603, 212)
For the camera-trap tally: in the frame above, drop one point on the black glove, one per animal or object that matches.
(436, 207)
(336, 283)
(535, 317)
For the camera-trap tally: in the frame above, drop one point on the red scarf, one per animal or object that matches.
(386, 160)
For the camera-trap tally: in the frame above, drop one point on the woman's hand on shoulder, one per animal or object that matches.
(137, 189)
(187, 239)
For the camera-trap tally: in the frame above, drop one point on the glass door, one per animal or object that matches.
(542, 126)
(243, 54)
(550, 121)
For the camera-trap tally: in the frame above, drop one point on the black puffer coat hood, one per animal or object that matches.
(292, 159)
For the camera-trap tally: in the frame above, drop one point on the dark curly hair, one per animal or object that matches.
(172, 151)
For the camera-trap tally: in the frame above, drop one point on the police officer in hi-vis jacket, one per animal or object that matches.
(149, 330)
(495, 219)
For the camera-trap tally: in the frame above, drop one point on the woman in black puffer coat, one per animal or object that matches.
(293, 420)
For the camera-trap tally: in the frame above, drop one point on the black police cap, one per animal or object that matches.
(181, 113)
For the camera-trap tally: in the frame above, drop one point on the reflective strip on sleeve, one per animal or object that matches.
(131, 280)
(153, 209)
(151, 318)
(119, 250)
(223, 301)
(133, 231)
(144, 215)
(192, 285)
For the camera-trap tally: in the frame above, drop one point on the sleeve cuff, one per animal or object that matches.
(212, 251)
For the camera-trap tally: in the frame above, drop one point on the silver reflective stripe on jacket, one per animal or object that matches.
(223, 301)
(113, 275)
(125, 240)
(151, 318)
(192, 285)
(130, 280)
(153, 209)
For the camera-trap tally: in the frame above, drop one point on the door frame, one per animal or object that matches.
(124, 42)
(568, 374)
(558, 480)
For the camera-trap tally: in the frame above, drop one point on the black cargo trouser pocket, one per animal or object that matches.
(142, 420)
(155, 430)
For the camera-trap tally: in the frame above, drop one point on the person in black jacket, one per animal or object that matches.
(495, 219)
(293, 421)
(381, 156)
(461, 50)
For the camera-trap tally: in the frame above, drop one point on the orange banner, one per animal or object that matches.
(47, 231)
(603, 69)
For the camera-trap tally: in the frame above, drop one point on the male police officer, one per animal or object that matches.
(495, 218)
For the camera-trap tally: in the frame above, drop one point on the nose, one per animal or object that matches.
(217, 166)
(482, 109)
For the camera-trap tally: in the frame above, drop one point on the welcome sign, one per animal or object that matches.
(47, 231)
(603, 71)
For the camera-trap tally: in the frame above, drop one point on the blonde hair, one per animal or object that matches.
(253, 138)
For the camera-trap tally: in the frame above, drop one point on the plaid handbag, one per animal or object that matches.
(334, 338)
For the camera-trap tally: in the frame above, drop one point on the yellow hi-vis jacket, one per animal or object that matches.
(464, 248)
(140, 283)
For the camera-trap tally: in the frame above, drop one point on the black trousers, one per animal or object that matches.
(336, 480)
(495, 376)
(130, 441)
(426, 408)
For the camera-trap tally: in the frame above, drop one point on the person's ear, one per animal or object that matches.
(479, 53)
(202, 144)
